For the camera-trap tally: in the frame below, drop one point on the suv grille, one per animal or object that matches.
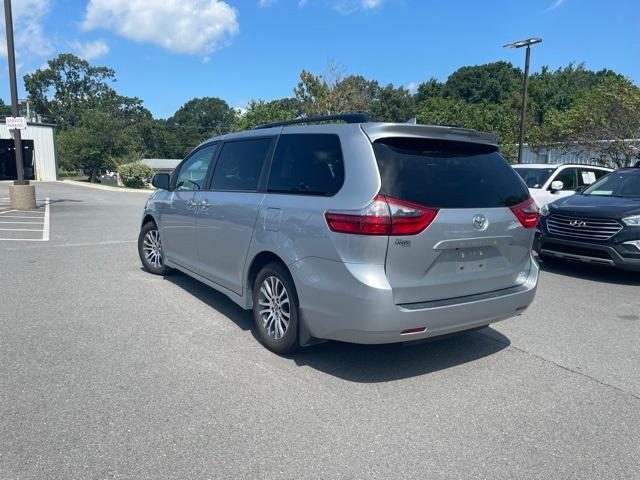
(584, 228)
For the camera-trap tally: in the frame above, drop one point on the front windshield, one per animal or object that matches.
(534, 177)
(617, 184)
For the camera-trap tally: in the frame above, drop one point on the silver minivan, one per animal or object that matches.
(355, 231)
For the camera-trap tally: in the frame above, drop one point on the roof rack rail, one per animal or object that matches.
(345, 117)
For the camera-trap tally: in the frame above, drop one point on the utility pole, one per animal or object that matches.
(11, 55)
(23, 195)
(525, 85)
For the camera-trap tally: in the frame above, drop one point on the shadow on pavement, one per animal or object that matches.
(216, 300)
(585, 271)
(365, 363)
(383, 363)
(64, 200)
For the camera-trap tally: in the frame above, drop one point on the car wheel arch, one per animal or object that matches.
(149, 218)
(261, 259)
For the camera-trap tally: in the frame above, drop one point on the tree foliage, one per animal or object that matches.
(259, 112)
(334, 93)
(493, 83)
(98, 141)
(602, 124)
(67, 87)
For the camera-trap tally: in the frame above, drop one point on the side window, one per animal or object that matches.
(240, 164)
(600, 174)
(568, 178)
(193, 171)
(307, 164)
(587, 176)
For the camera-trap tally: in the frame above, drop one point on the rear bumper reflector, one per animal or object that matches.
(410, 331)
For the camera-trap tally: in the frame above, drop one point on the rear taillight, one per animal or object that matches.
(527, 212)
(384, 216)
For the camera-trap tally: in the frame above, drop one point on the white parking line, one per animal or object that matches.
(7, 216)
(45, 228)
(19, 230)
(20, 223)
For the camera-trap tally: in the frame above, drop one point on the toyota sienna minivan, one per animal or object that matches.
(356, 231)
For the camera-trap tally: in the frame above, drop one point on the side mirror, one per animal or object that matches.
(580, 189)
(556, 186)
(161, 181)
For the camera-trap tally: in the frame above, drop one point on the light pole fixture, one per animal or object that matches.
(525, 84)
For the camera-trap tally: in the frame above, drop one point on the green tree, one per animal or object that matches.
(334, 93)
(260, 112)
(67, 87)
(493, 82)
(5, 110)
(558, 90)
(485, 116)
(429, 89)
(207, 117)
(100, 140)
(391, 104)
(602, 124)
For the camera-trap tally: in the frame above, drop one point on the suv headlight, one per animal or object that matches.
(632, 221)
(544, 211)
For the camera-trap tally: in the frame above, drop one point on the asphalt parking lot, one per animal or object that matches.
(107, 372)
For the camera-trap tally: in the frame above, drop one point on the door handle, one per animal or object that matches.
(204, 205)
(191, 204)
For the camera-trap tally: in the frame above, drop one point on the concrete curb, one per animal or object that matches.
(106, 187)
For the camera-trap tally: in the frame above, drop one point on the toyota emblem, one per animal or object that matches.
(480, 222)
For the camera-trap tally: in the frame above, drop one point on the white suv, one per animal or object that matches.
(547, 183)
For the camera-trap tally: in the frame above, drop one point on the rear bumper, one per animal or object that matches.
(354, 303)
(586, 252)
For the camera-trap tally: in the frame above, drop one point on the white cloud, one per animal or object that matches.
(369, 4)
(30, 40)
(266, 3)
(555, 5)
(346, 7)
(197, 27)
(90, 50)
(412, 87)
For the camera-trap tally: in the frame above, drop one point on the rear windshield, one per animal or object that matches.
(534, 177)
(443, 174)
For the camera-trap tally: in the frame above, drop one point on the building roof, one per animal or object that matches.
(161, 163)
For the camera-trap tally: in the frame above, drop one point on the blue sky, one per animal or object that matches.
(169, 51)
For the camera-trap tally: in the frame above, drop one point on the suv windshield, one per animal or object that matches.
(534, 177)
(617, 184)
(444, 174)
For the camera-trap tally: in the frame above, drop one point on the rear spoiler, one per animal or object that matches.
(376, 131)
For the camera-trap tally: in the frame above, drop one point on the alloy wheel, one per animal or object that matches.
(274, 307)
(152, 248)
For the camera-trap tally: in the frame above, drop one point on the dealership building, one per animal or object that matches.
(39, 148)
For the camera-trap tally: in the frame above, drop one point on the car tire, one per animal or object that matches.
(275, 309)
(150, 250)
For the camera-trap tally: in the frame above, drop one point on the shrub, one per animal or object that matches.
(135, 175)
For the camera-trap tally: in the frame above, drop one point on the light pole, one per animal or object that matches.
(22, 194)
(525, 84)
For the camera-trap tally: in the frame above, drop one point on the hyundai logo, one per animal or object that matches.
(480, 222)
(578, 223)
